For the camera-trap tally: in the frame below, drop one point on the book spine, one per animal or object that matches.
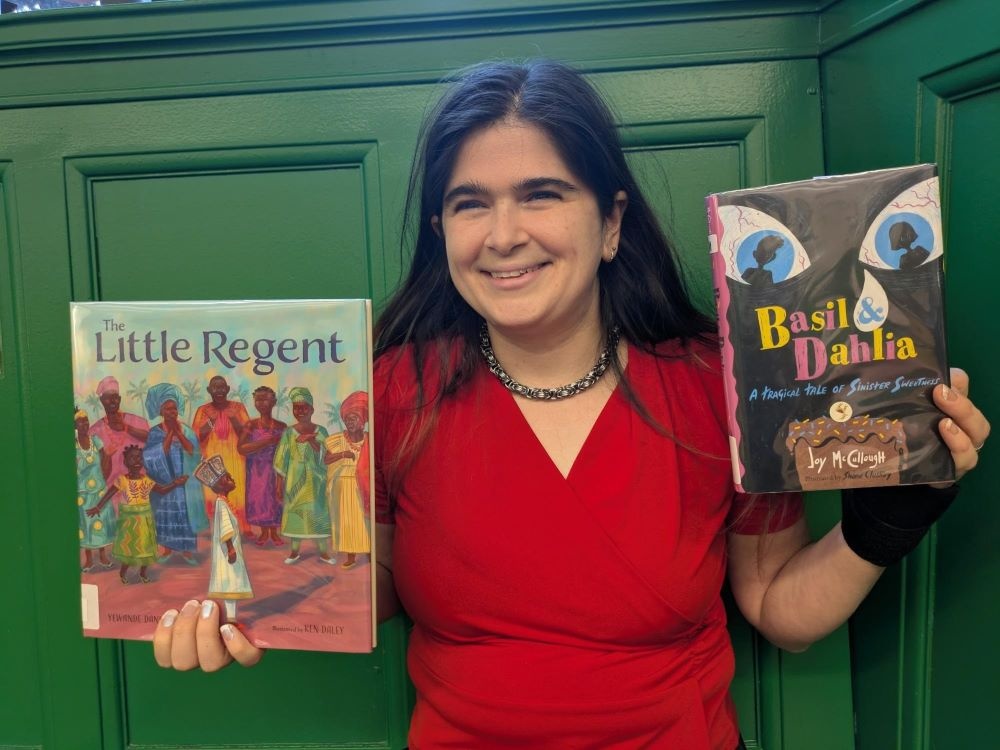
(722, 302)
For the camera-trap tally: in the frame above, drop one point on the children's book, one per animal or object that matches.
(831, 319)
(223, 451)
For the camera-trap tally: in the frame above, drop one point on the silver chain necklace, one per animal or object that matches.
(547, 394)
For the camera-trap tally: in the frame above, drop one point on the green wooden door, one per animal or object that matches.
(926, 655)
(192, 152)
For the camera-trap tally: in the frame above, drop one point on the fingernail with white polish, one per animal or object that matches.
(206, 609)
(168, 618)
(948, 393)
(190, 607)
(227, 631)
(950, 425)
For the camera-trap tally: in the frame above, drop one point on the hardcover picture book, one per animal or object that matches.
(831, 320)
(223, 451)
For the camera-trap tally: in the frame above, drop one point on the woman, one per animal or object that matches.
(258, 442)
(347, 479)
(218, 425)
(298, 462)
(172, 452)
(116, 428)
(538, 261)
(92, 463)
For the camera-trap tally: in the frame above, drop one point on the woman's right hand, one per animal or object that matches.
(193, 639)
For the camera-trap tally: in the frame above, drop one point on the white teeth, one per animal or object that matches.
(512, 274)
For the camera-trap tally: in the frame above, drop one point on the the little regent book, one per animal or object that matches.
(831, 319)
(223, 450)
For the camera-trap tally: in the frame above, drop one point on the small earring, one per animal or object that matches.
(613, 251)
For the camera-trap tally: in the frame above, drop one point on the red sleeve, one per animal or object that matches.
(385, 508)
(759, 514)
(750, 513)
(399, 423)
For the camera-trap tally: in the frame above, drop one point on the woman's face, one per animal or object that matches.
(353, 422)
(264, 401)
(524, 236)
(302, 411)
(169, 411)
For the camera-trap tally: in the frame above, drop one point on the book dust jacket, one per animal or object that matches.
(831, 319)
(223, 451)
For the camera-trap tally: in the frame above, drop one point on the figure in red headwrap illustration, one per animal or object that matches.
(347, 480)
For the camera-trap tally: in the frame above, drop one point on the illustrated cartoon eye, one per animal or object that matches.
(907, 232)
(757, 248)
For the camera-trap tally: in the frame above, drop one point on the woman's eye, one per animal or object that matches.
(466, 205)
(542, 195)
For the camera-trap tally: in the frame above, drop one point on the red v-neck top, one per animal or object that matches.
(578, 612)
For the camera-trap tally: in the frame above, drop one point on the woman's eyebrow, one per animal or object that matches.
(463, 190)
(534, 183)
(475, 189)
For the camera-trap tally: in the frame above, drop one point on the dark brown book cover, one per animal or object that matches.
(831, 318)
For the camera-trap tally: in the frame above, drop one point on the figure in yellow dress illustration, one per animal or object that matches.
(347, 472)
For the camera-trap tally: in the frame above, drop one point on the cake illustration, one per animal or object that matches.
(847, 451)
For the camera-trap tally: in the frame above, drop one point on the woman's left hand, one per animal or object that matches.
(964, 428)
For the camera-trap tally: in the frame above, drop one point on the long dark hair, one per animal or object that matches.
(642, 292)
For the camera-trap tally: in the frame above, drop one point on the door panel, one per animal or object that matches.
(924, 655)
(965, 655)
(20, 705)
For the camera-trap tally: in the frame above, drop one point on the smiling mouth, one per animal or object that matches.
(514, 274)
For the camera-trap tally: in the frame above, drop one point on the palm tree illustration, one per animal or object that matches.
(192, 391)
(93, 404)
(241, 393)
(332, 414)
(138, 392)
(281, 400)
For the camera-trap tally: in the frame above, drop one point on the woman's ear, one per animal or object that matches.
(436, 225)
(613, 225)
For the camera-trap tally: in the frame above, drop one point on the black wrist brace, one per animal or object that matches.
(883, 524)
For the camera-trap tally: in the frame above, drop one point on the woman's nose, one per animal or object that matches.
(507, 231)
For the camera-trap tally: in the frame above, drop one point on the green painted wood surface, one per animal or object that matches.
(925, 652)
(259, 149)
(22, 696)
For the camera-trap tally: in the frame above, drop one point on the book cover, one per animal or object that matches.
(831, 320)
(223, 451)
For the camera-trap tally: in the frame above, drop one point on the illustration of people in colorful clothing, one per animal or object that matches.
(347, 473)
(258, 444)
(96, 531)
(228, 580)
(172, 452)
(135, 538)
(218, 425)
(116, 428)
(298, 461)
